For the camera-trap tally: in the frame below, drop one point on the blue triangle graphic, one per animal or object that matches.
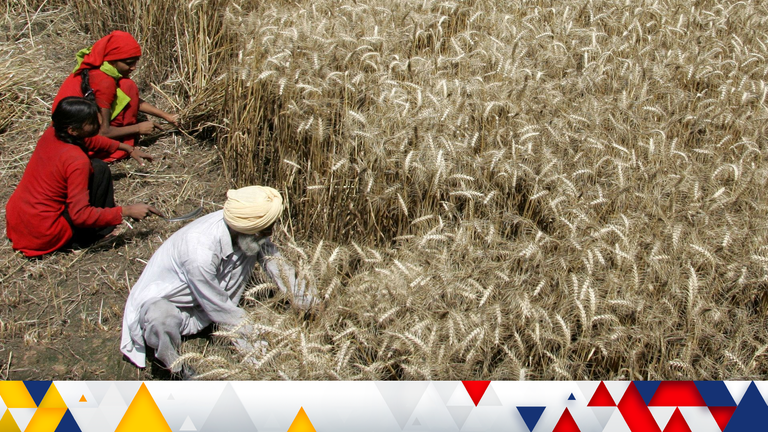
(647, 389)
(68, 424)
(530, 415)
(571, 397)
(715, 393)
(37, 389)
(751, 413)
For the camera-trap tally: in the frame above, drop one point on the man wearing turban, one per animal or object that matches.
(197, 276)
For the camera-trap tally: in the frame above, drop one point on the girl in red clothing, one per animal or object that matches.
(63, 197)
(102, 74)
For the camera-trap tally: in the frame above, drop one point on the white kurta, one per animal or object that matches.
(197, 270)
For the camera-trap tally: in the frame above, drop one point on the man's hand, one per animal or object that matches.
(140, 211)
(302, 298)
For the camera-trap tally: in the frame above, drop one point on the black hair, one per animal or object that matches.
(74, 112)
(85, 86)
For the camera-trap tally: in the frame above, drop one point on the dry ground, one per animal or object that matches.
(60, 316)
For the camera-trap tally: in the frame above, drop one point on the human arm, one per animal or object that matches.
(284, 275)
(140, 211)
(101, 143)
(136, 153)
(150, 109)
(114, 132)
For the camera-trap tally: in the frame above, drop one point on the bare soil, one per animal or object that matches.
(61, 315)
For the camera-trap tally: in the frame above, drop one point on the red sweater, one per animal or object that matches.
(104, 88)
(56, 179)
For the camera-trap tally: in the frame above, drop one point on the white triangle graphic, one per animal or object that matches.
(188, 425)
(662, 415)
(699, 419)
(460, 414)
(402, 398)
(97, 423)
(484, 418)
(22, 416)
(587, 388)
(271, 423)
(83, 416)
(617, 389)
(128, 390)
(72, 391)
(113, 399)
(617, 423)
(490, 398)
(603, 414)
(98, 390)
(112, 415)
(170, 397)
(737, 389)
(460, 397)
(445, 389)
(416, 422)
(2, 407)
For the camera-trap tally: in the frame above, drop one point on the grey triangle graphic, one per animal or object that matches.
(98, 390)
(113, 398)
(603, 414)
(83, 416)
(229, 410)
(188, 425)
(416, 422)
(617, 423)
(170, 397)
(445, 389)
(402, 397)
(128, 390)
(97, 423)
(460, 414)
(271, 422)
(490, 398)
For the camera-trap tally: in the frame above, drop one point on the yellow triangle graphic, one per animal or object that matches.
(46, 419)
(143, 415)
(15, 395)
(52, 399)
(82, 399)
(301, 423)
(8, 424)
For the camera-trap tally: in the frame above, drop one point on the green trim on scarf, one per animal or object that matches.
(121, 100)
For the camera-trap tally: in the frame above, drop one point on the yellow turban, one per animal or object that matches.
(250, 209)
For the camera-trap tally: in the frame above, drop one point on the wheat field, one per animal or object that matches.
(487, 190)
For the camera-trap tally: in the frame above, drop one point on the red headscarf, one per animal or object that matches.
(117, 45)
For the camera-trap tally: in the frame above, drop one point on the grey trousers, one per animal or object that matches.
(164, 324)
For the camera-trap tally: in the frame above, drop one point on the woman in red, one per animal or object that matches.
(63, 196)
(102, 74)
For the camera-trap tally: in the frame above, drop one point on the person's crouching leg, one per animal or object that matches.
(162, 323)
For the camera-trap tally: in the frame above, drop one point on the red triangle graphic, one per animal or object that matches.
(722, 415)
(566, 423)
(677, 423)
(476, 389)
(635, 412)
(602, 397)
(677, 394)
